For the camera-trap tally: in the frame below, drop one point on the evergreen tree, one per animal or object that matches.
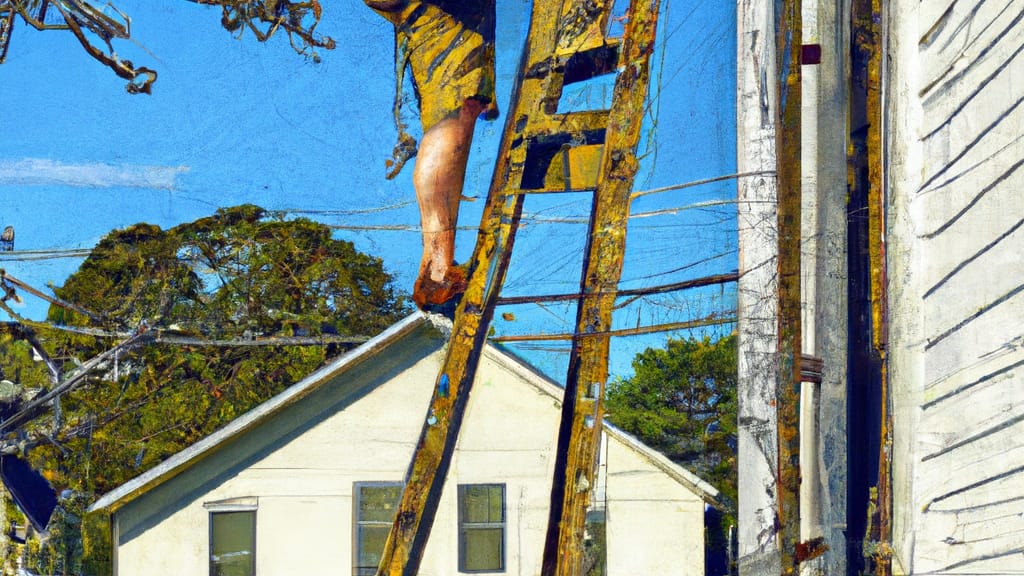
(241, 275)
(681, 401)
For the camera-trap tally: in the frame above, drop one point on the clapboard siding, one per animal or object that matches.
(960, 180)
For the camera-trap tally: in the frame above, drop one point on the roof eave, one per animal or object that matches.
(182, 460)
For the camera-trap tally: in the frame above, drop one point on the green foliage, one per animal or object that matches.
(242, 273)
(12, 517)
(681, 401)
(239, 270)
(61, 552)
(96, 545)
(16, 363)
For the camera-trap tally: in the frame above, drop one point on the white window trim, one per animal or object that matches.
(242, 504)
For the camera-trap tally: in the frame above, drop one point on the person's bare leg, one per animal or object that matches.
(438, 177)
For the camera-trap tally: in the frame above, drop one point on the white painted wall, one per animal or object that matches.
(955, 243)
(637, 494)
(304, 483)
(757, 290)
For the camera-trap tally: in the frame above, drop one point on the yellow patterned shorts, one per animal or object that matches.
(450, 62)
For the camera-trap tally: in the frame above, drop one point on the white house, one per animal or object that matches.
(306, 482)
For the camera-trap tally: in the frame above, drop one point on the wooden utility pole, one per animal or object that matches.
(757, 293)
(866, 183)
(768, 126)
(788, 38)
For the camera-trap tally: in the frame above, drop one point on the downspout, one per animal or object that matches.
(811, 535)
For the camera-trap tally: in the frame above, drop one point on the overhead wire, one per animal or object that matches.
(55, 253)
(40, 403)
(5, 277)
(716, 319)
(160, 334)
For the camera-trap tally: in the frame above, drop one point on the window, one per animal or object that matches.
(375, 508)
(233, 543)
(481, 527)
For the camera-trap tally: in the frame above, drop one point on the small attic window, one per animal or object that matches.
(233, 543)
(232, 536)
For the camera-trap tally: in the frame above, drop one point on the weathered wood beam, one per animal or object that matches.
(787, 53)
(823, 419)
(431, 460)
(582, 406)
(868, 46)
(768, 126)
(757, 290)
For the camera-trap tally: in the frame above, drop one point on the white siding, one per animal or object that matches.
(650, 519)
(955, 246)
(301, 465)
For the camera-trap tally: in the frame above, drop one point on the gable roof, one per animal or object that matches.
(186, 458)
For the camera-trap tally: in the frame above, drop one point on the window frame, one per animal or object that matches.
(230, 507)
(464, 526)
(357, 524)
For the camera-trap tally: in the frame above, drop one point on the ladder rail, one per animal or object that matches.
(532, 118)
(432, 457)
(583, 407)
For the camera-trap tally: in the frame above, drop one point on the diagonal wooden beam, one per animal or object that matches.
(582, 405)
(431, 460)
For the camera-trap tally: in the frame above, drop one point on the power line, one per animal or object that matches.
(170, 336)
(56, 253)
(354, 212)
(697, 282)
(163, 335)
(40, 403)
(4, 277)
(728, 317)
(693, 183)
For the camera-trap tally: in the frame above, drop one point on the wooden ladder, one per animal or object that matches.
(544, 151)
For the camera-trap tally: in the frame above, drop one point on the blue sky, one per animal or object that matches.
(233, 121)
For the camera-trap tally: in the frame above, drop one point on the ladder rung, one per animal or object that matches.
(582, 26)
(532, 191)
(560, 151)
(588, 124)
